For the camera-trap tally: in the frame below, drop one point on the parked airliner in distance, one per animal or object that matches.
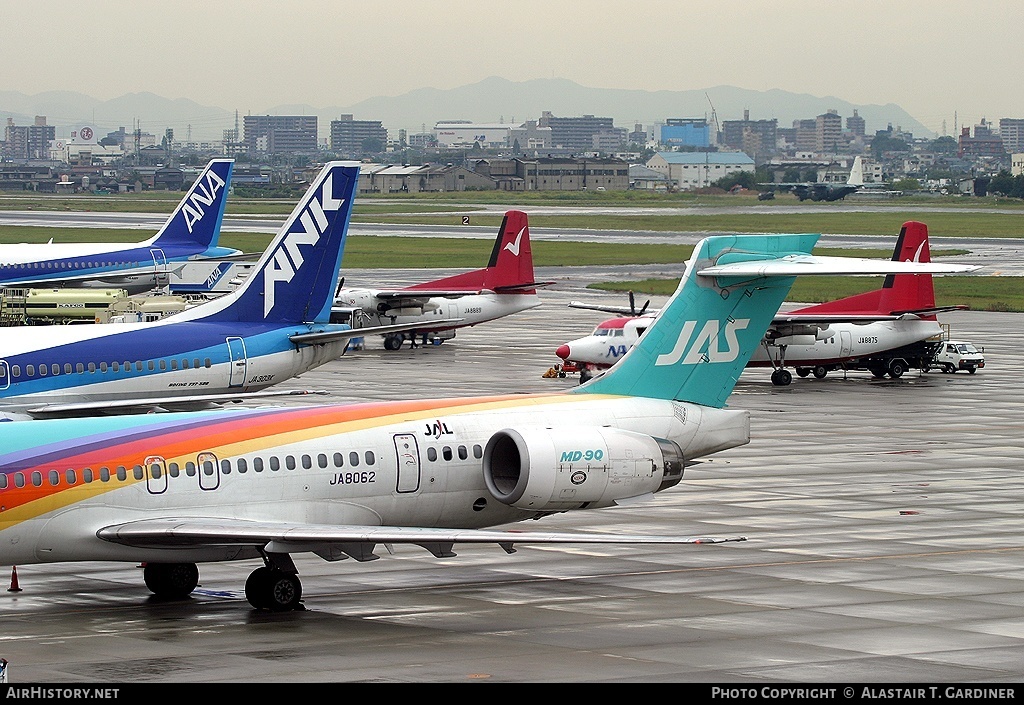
(174, 490)
(505, 286)
(191, 232)
(272, 328)
(815, 339)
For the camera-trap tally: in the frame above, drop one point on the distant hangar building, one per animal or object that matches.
(693, 170)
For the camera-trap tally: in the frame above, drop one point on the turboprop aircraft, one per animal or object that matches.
(173, 490)
(190, 233)
(505, 286)
(272, 328)
(823, 190)
(815, 339)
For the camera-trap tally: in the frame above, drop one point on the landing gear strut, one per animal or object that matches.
(780, 375)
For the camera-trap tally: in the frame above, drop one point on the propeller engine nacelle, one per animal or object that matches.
(356, 298)
(545, 469)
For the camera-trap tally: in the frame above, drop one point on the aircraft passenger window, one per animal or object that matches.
(30, 370)
(225, 467)
(15, 370)
(154, 471)
(184, 363)
(463, 453)
(446, 453)
(42, 370)
(127, 366)
(257, 464)
(321, 460)
(37, 478)
(115, 366)
(195, 363)
(69, 476)
(369, 457)
(92, 366)
(243, 467)
(174, 364)
(190, 468)
(3, 372)
(275, 464)
(163, 365)
(103, 367)
(105, 474)
(79, 368)
(54, 478)
(173, 469)
(353, 459)
(208, 467)
(432, 454)
(151, 365)
(87, 475)
(138, 365)
(478, 452)
(19, 480)
(206, 362)
(3, 481)
(138, 472)
(339, 460)
(307, 462)
(55, 368)
(289, 462)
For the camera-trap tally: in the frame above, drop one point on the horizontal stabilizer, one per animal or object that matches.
(213, 531)
(349, 333)
(800, 265)
(621, 310)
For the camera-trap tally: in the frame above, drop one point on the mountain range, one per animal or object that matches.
(492, 100)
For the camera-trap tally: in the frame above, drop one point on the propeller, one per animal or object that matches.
(632, 306)
(341, 283)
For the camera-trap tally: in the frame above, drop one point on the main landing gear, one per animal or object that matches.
(780, 375)
(274, 586)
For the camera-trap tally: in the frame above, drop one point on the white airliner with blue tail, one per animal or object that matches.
(173, 490)
(190, 233)
(275, 326)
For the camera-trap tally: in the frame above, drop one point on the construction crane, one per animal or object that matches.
(714, 118)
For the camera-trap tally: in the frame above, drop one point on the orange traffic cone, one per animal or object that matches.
(14, 580)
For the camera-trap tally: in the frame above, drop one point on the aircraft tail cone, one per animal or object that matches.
(14, 580)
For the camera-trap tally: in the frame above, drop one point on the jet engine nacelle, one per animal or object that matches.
(555, 469)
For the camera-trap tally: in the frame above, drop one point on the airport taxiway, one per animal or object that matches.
(884, 519)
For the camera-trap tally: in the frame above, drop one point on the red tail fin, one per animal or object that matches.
(510, 266)
(899, 292)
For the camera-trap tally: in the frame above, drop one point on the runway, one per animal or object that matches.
(885, 545)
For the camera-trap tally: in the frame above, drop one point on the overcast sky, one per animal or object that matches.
(934, 58)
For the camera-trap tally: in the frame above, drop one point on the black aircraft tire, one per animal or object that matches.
(255, 587)
(896, 369)
(282, 591)
(392, 342)
(802, 371)
(819, 372)
(173, 581)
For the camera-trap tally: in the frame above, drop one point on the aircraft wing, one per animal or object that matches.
(328, 336)
(149, 404)
(332, 542)
(827, 318)
(799, 265)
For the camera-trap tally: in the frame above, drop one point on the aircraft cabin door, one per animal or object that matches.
(159, 266)
(845, 343)
(408, 454)
(237, 361)
(5, 375)
(209, 471)
(156, 474)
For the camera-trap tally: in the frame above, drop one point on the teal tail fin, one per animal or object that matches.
(704, 336)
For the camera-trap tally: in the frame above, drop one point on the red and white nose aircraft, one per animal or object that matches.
(505, 286)
(815, 339)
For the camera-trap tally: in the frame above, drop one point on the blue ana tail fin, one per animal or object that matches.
(195, 223)
(295, 279)
(704, 336)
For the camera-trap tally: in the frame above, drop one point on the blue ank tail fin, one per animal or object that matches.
(295, 279)
(704, 336)
(195, 223)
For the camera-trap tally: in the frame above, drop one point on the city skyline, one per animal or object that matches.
(936, 61)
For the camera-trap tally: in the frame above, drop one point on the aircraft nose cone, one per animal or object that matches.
(563, 352)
